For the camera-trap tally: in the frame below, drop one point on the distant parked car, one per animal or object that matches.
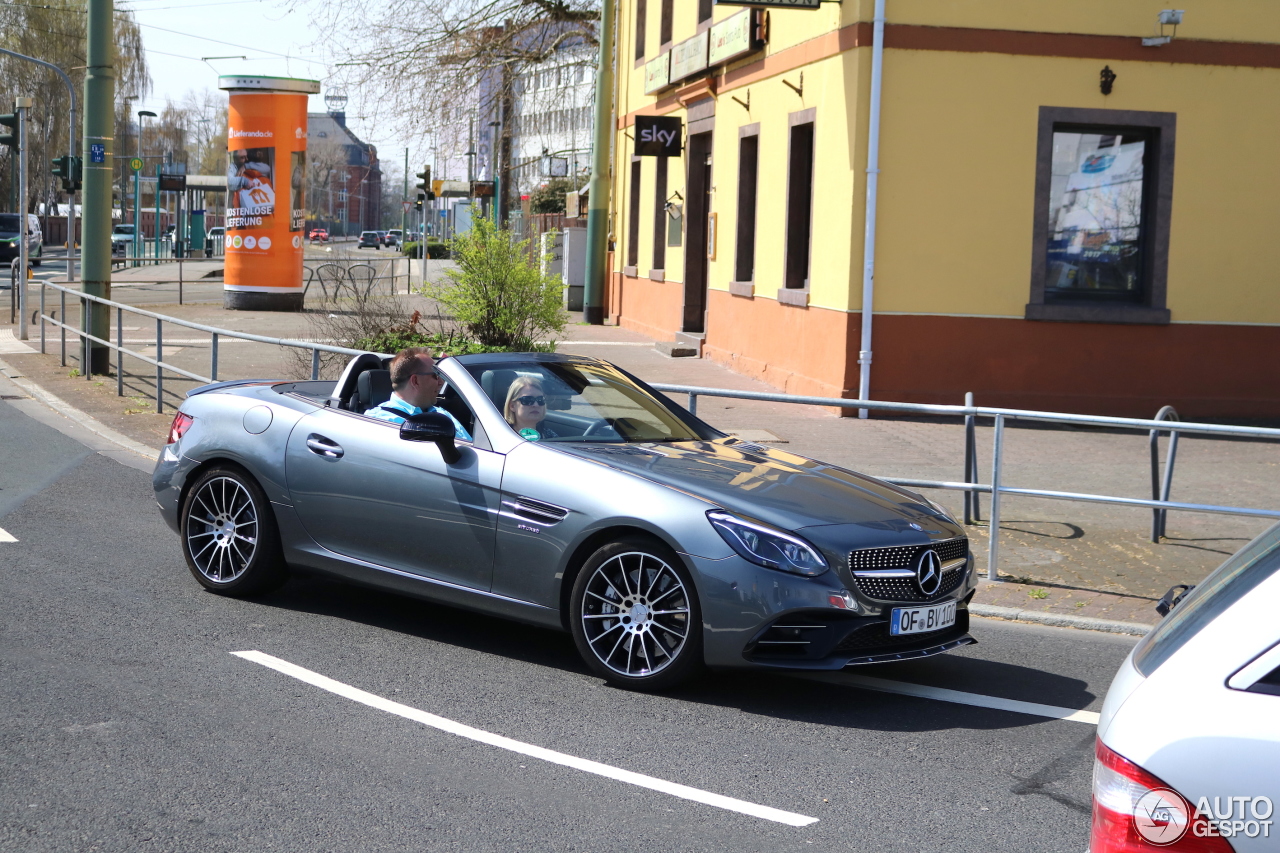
(319, 235)
(394, 238)
(11, 235)
(369, 240)
(1188, 750)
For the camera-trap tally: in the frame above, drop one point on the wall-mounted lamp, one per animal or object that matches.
(1166, 18)
(1106, 79)
(673, 208)
(799, 90)
(746, 105)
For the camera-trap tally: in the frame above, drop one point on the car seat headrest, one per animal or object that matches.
(373, 388)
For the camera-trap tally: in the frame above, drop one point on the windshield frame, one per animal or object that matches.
(474, 365)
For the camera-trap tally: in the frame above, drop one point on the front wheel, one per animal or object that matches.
(229, 534)
(635, 615)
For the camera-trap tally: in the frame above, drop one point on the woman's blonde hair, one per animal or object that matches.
(517, 385)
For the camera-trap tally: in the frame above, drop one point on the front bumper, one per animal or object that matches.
(758, 618)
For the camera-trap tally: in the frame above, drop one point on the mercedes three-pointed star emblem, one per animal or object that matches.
(929, 572)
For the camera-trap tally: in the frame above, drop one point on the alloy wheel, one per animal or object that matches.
(222, 529)
(635, 614)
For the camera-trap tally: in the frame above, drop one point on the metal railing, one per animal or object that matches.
(86, 340)
(1163, 422)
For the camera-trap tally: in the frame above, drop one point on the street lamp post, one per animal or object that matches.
(137, 193)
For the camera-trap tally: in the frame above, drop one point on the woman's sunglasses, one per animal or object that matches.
(529, 400)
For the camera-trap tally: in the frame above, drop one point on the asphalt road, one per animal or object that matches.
(130, 724)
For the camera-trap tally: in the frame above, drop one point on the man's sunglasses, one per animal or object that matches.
(530, 400)
(434, 374)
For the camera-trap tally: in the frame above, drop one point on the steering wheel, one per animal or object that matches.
(598, 426)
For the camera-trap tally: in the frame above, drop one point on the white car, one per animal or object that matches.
(1188, 751)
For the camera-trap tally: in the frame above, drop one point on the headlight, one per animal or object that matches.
(768, 547)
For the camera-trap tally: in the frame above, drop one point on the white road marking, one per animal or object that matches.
(959, 697)
(445, 725)
(6, 536)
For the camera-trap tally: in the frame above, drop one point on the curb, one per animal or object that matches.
(73, 414)
(1060, 620)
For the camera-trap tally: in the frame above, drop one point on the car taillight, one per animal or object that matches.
(1131, 813)
(181, 423)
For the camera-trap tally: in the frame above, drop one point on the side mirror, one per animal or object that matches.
(433, 427)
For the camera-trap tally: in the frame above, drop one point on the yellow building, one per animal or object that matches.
(1068, 218)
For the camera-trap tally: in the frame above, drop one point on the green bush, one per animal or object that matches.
(549, 198)
(436, 250)
(498, 294)
(414, 334)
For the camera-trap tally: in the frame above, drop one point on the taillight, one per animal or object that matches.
(1134, 812)
(181, 423)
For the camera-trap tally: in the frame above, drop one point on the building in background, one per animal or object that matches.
(343, 178)
(1068, 218)
(551, 119)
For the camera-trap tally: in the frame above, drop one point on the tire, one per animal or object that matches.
(630, 643)
(229, 534)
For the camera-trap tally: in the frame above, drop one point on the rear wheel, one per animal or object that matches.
(635, 615)
(229, 534)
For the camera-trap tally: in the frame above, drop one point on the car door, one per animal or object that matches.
(363, 492)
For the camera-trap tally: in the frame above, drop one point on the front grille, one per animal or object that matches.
(905, 589)
(904, 556)
(876, 635)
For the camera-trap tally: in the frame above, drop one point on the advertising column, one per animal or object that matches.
(266, 174)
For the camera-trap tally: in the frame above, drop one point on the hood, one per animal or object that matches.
(773, 486)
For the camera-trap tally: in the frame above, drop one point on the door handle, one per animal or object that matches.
(322, 446)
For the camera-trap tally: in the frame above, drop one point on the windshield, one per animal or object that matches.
(1247, 568)
(9, 222)
(581, 401)
(122, 229)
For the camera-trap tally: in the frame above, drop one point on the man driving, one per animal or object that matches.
(415, 384)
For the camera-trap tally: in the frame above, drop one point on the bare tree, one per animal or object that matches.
(54, 31)
(425, 59)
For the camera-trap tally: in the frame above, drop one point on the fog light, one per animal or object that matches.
(842, 599)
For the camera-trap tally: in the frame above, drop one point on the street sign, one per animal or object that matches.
(136, 164)
(406, 206)
(173, 183)
(97, 152)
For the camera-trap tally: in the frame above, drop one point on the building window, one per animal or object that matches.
(664, 30)
(1100, 241)
(633, 225)
(744, 259)
(799, 200)
(660, 214)
(641, 20)
(704, 10)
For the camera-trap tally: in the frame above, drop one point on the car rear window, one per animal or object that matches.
(1243, 571)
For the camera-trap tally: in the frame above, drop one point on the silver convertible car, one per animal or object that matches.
(659, 542)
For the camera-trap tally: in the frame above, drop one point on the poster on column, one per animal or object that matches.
(266, 174)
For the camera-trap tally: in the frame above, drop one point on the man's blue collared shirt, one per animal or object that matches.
(383, 413)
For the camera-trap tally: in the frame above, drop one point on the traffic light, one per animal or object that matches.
(69, 169)
(10, 120)
(417, 205)
(424, 183)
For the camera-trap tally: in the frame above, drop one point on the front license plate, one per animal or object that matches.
(918, 620)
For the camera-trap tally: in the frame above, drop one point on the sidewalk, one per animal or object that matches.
(1079, 559)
